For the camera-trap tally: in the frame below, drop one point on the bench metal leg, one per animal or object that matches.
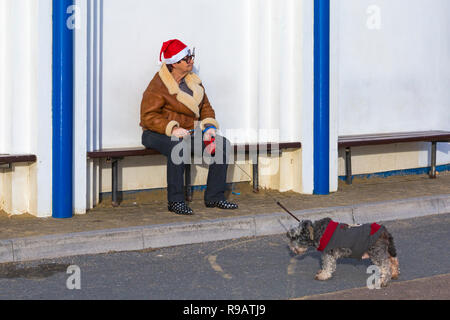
(348, 165)
(115, 182)
(188, 186)
(255, 178)
(256, 175)
(433, 160)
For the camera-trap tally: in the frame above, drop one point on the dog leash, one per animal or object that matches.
(273, 198)
(212, 150)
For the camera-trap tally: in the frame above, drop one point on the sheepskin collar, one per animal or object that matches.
(192, 81)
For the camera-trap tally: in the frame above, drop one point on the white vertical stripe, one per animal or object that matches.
(265, 66)
(5, 106)
(80, 109)
(253, 9)
(295, 9)
(334, 92)
(5, 112)
(276, 56)
(290, 77)
(93, 95)
(95, 59)
(90, 104)
(307, 88)
(97, 73)
(43, 137)
(21, 76)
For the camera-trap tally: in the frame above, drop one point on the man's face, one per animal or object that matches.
(184, 66)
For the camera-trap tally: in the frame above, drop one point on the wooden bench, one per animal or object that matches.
(434, 137)
(7, 160)
(117, 154)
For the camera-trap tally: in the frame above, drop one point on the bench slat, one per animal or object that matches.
(16, 158)
(141, 151)
(121, 152)
(387, 138)
(268, 146)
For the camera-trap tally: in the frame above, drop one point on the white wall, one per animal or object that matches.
(248, 54)
(393, 70)
(25, 104)
(245, 55)
(395, 78)
(255, 58)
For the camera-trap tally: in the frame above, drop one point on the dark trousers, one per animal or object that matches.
(175, 152)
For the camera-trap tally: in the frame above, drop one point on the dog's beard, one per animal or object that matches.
(295, 248)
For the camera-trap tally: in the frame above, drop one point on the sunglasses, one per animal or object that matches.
(190, 57)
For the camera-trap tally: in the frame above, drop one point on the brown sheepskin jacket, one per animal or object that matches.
(164, 106)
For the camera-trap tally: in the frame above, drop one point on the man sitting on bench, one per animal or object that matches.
(172, 103)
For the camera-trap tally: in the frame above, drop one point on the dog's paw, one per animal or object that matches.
(395, 269)
(322, 276)
(384, 283)
(395, 275)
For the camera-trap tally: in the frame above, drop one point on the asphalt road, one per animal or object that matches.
(242, 269)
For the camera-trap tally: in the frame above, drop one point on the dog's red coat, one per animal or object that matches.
(329, 231)
(374, 228)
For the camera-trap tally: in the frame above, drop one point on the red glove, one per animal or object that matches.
(211, 146)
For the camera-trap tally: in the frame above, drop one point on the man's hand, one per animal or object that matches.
(209, 134)
(179, 132)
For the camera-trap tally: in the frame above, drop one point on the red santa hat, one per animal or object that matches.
(173, 51)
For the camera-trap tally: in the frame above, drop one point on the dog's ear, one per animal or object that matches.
(308, 226)
(311, 232)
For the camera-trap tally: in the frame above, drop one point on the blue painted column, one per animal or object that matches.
(321, 97)
(62, 110)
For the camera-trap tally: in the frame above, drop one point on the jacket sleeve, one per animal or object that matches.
(151, 114)
(207, 115)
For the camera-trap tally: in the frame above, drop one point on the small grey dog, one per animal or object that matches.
(338, 240)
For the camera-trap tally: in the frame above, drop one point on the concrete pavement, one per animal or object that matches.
(143, 224)
(260, 268)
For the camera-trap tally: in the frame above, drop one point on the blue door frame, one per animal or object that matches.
(321, 97)
(62, 145)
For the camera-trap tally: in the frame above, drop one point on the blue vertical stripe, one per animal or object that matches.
(62, 111)
(321, 97)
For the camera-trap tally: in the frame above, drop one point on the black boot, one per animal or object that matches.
(180, 208)
(223, 204)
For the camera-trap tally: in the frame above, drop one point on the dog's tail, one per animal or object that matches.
(391, 247)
